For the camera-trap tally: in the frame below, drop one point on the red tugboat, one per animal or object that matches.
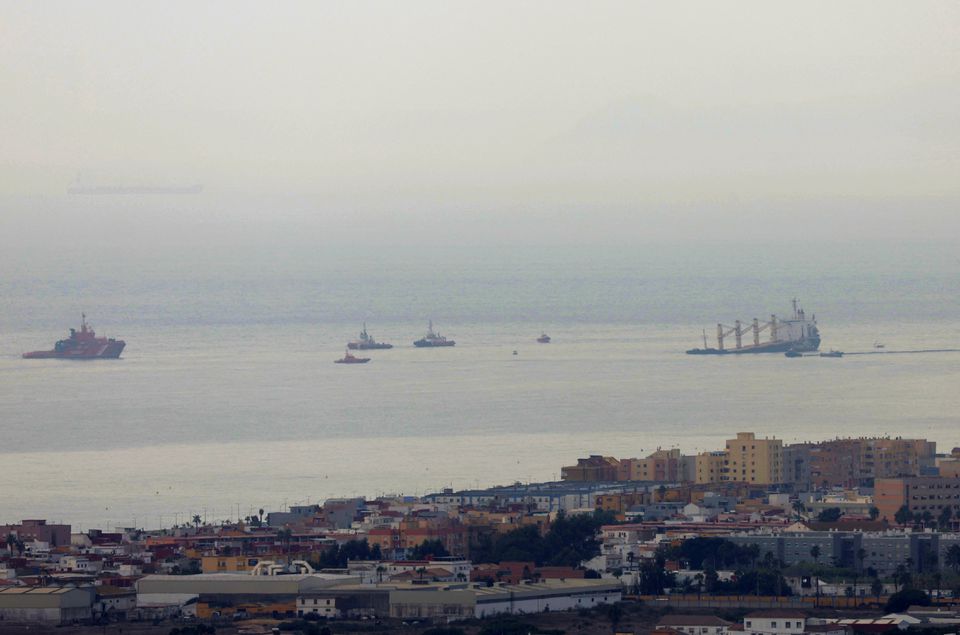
(82, 344)
(349, 358)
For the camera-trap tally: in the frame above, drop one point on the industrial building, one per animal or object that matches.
(477, 600)
(46, 605)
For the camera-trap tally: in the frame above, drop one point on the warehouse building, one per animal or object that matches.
(46, 605)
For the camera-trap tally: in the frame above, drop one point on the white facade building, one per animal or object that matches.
(774, 623)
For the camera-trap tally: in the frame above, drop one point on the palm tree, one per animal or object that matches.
(953, 558)
(876, 587)
(11, 542)
(421, 571)
(197, 520)
(903, 515)
(945, 516)
(285, 535)
(815, 554)
(380, 571)
(901, 576)
(799, 508)
(699, 580)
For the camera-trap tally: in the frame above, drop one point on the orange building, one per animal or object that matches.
(593, 468)
(920, 494)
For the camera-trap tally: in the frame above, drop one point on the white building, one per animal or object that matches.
(696, 624)
(324, 607)
(774, 623)
(459, 601)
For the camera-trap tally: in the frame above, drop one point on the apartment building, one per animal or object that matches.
(593, 468)
(710, 466)
(919, 494)
(753, 460)
(662, 465)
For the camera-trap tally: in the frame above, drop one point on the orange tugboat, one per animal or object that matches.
(82, 344)
(349, 358)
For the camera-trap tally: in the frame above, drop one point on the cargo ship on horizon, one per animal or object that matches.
(798, 334)
(82, 344)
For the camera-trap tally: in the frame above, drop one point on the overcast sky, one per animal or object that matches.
(653, 120)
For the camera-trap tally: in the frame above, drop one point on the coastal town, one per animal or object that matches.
(839, 536)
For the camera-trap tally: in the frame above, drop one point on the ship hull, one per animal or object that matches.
(802, 346)
(429, 344)
(359, 346)
(105, 350)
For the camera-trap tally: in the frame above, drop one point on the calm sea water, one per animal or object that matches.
(227, 400)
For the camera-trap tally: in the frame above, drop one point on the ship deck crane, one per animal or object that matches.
(738, 330)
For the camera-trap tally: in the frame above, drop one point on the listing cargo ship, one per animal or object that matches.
(798, 334)
(82, 344)
(432, 339)
(366, 342)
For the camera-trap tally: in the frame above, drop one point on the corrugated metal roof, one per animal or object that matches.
(37, 590)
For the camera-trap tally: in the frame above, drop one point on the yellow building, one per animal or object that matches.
(710, 467)
(228, 564)
(753, 460)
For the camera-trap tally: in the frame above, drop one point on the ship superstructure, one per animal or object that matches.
(798, 333)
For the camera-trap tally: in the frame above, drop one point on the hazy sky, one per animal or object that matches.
(562, 120)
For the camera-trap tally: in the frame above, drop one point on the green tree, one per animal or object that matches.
(944, 519)
(874, 513)
(815, 554)
(903, 515)
(952, 558)
(799, 508)
(876, 587)
(614, 614)
(901, 600)
(429, 549)
(901, 577)
(830, 515)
